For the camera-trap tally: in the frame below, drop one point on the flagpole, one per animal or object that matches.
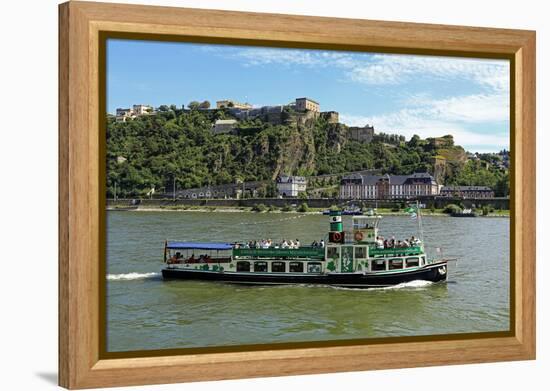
(419, 218)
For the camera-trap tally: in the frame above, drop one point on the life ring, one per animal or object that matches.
(337, 236)
(358, 236)
(442, 270)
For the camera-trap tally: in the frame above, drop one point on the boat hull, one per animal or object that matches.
(434, 272)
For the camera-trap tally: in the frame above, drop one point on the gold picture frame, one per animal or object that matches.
(83, 29)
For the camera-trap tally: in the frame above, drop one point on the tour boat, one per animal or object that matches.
(348, 211)
(351, 259)
(464, 213)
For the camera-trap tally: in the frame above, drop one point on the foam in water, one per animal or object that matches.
(131, 276)
(411, 284)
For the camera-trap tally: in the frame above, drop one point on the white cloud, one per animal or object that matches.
(474, 108)
(408, 122)
(383, 69)
(399, 69)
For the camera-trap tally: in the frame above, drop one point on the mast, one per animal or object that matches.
(419, 220)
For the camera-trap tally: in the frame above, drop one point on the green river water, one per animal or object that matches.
(144, 312)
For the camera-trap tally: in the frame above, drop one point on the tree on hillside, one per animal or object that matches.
(205, 105)
(194, 105)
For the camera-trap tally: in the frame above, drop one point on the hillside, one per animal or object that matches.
(150, 151)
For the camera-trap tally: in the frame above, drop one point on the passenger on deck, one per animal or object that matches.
(314, 244)
(284, 244)
(297, 243)
(322, 244)
(192, 258)
(379, 242)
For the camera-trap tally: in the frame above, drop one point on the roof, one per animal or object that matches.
(226, 121)
(198, 246)
(311, 100)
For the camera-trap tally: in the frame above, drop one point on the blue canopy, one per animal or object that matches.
(198, 245)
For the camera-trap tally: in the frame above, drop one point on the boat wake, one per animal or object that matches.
(131, 276)
(416, 284)
(411, 284)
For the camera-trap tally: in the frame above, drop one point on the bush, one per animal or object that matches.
(452, 208)
(395, 208)
(286, 208)
(303, 207)
(272, 208)
(259, 208)
(486, 209)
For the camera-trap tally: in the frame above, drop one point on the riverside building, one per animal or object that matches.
(359, 186)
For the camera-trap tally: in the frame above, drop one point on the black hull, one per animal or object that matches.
(431, 272)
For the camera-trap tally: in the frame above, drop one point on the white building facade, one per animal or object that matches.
(388, 186)
(291, 186)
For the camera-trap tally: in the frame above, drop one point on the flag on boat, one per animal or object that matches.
(411, 210)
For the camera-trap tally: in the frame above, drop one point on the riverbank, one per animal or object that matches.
(187, 208)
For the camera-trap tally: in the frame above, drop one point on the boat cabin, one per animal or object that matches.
(197, 253)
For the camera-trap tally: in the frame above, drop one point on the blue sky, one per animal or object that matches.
(403, 94)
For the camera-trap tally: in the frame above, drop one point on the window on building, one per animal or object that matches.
(395, 264)
(296, 267)
(412, 262)
(378, 265)
(278, 267)
(314, 267)
(243, 266)
(260, 266)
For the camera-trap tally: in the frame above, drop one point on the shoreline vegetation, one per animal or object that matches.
(298, 210)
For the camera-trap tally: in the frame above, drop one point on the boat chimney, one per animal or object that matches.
(336, 234)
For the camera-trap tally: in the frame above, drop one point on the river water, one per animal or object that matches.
(144, 312)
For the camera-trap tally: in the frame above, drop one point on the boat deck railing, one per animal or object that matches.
(395, 252)
(272, 252)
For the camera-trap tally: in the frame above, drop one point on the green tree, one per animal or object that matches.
(194, 105)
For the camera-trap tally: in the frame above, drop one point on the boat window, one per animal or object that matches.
(278, 267)
(377, 265)
(423, 261)
(314, 267)
(411, 262)
(243, 266)
(260, 266)
(332, 252)
(360, 252)
(395, 264)
(296, 267)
